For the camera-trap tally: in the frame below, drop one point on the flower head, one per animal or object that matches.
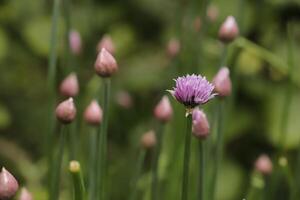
(105, 64)
(200, 124)
(264, 164)
(107, 43)
(25, 195)
(229, 30)
(222, 82)
(148, 140)
(8, 185)
(75, 42)
(69, 87)
(93, 113)
(163, 110)
(192, 90)
(66, 111)
(173, 47)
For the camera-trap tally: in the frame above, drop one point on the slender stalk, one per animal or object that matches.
(67, 20)
(78, 183)
(186, 162)
(72, 141)
(154, 189)
(219, 148)
(102, 148)
(202, 170)
(92, 164)
(55, 179)
(139, 166)
(224, 55)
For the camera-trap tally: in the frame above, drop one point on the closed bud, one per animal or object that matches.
(200, 124)
(264, 164)
(8, 185)
(66, 111)
(173, 48)
(93, 113)
(105, 64)
(106, 43)
(212, 13)
(74, 166)
(69, 86)
(75, 42)
(197, 24)
(229, 30)
(163, 110)
(124, 99)
(148, 140)
(222, 82)
(25, 195)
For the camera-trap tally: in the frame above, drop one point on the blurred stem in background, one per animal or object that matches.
(55, 178)
(92, 164)
(186, 161)
(102, 143)
(155, 187)
(52, 61)
(78, 183)
(202, 182)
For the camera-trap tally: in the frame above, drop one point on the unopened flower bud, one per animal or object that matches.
(163, 110)
(124, 99)
(8, 185)
(222, 82)
(200, 124)
(69, 87)
(25, 195)
(106, 43)
(93, 113)
(105, 64)
(173, 48)
(197, 24)
(74, 166)
(264, 164)
(66, 111)
(229, 30)
(148, 140)
(75, 42)
(212, 13)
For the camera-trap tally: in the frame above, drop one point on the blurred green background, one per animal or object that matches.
(141, 30)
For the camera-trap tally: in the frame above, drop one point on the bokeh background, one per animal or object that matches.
(141, 30)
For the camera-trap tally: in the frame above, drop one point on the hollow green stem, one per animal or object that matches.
(55, 179)
(92, 164)
(186, 162)
(202, 182)
(78, 183)
(139, 166)
(154, 189)
(103, 141)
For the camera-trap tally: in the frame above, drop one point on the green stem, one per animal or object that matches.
(202, 171)
(224, 56)
(186, 162)
(139, 166)
(219, 148)
(92, 164)
(154, 189)
(67, 19)
(55, 179)
(102, 147)
(78, 183)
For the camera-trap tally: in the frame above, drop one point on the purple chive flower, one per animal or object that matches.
(192, 90)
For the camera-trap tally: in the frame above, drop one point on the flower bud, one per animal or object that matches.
(124, 99)
(75, 42)
(8, 185)
(106, 43)
(66, 111)
(25, 195)
(105, 64)
(69, 87)
(173, 48)
(163, 110)
(222, 82)
(229, 30)
(74, 166)
(200, 124)
(148, 140)
(93, 113)
(264, 165)
(197, 24)
(212, 13)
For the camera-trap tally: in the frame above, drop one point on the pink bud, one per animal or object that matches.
(93, 113)
(163, 110)
(229, 30)
(124, 99)
(173, 48)
(222, 82)
(25, 195)
(264, 165)
(105, 64)
(8, 185)
(197, 24)
(212, 13)
(69, 87)
(66, 111)
(148, 140)
(200, 124)
(75, 42)
(106, 43)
